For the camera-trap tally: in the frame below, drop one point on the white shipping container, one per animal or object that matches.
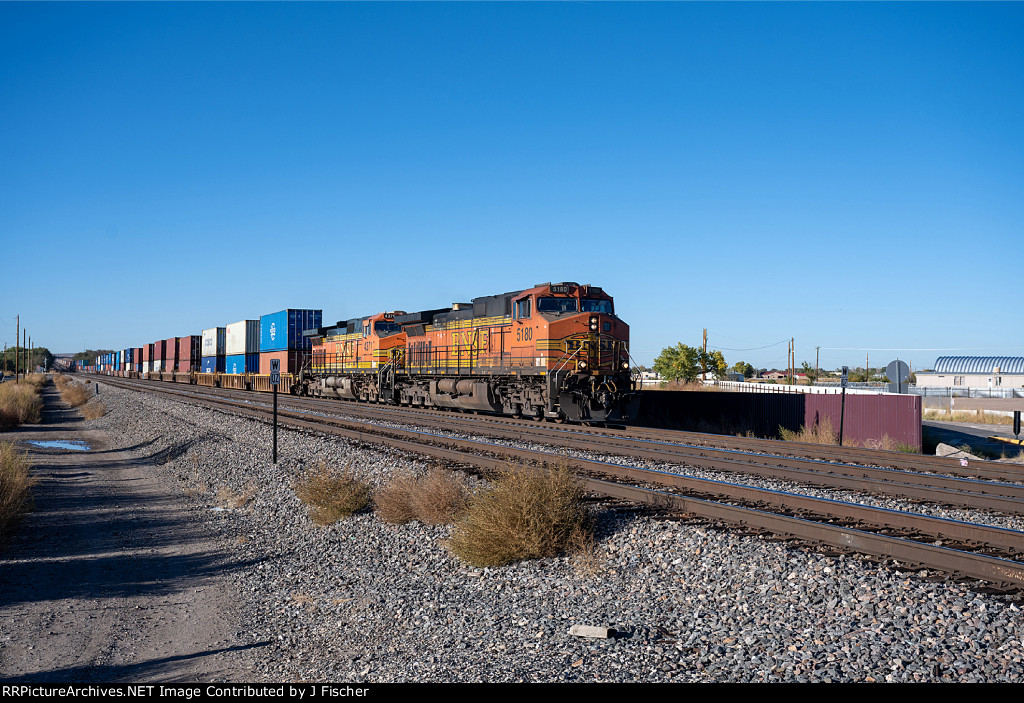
(213, 341)
(157, 365)
(243, 338)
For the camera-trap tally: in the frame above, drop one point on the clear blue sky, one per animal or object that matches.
(851, 175)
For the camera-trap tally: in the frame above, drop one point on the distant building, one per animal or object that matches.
(974, 372)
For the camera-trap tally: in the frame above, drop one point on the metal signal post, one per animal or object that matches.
(275, 380)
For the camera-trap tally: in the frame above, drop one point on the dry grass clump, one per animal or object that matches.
(437, 498)
(75, 394)
(525, 514)
(235, 500)
(95, 409)
(332, 493)
(821, 432)
(38, 380)
(979, 416)
(393, 503)
(19, 403)
(15, 485)
(60, 380)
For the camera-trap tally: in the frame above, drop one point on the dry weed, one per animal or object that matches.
(230, 498)
(19, 403)
(393, 503)
(979, 416)
(587, 559)
(75, 394)
(94, 410)
(525, 514)
(15, 487)
(821, 432)
(332, 494)
(440, 497)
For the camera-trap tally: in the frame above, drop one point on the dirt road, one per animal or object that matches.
(112, 578)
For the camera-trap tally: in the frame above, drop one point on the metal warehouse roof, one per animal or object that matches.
(979, 364)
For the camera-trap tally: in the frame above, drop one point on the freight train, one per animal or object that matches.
(555, 351)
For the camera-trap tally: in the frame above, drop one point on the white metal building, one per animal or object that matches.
(994, 372)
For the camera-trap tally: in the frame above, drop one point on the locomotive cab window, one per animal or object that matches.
(522, 308)
(556, 304)
(386, 329)
(593, 305)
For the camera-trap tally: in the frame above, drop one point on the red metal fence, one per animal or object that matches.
(868, 418)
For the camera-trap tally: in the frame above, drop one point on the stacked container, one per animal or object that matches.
(170, 356)
(137, 359)
(212, 359)
(281, 338)
(189, 352)
(242, 347)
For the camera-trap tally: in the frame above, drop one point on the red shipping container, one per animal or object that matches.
(189, 349)
(158, 350)
(147, 352)
(291, 361)
(184, 365)
(170, 349)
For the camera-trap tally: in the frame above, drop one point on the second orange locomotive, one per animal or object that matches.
(555, 351)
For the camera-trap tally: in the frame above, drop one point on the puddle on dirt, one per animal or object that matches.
(75, 444)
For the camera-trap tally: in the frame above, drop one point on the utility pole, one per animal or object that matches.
(17, 333)
(704, 375)
(867, 366)
(817, 352)
(789, 357)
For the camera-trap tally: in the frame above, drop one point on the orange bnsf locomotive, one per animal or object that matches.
(554, 351)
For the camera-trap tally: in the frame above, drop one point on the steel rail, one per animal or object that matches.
(975, 469)
(954, 491)
(467, 451)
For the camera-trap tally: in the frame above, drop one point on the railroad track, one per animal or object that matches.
(915, 540)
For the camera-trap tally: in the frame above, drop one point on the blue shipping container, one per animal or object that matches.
(242, 363)
(282, 331)
(212, 364)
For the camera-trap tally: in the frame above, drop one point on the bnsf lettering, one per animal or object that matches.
(606, 345)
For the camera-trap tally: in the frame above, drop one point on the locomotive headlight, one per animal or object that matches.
(625, 365)
(593, 323)
(583, 366)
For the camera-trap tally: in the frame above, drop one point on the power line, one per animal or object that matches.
(898, 349)
(774, 344)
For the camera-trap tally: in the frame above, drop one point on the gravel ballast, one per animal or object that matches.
(362, 600)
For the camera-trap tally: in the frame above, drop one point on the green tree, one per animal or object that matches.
(678, 363)
(685, 363)
(712, 362)
(810, 372)
(744, 368)
(36, 356)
